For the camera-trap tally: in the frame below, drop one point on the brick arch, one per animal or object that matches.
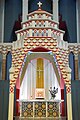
(41, 55)
(40, 49)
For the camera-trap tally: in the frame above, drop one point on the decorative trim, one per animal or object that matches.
(68, 89)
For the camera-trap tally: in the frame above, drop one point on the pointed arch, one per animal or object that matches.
(40, 55)
(40, 49)
(8, 64)
(72, 65)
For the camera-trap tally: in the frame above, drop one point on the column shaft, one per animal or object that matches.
(76, 68)
(11, 106)
(11, 93)
(4, 69)
(55, 10)
(2, 8)
(69, 102)
(68, 93)
(78, 20)
(25, 10)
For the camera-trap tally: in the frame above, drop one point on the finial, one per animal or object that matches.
(39, 4)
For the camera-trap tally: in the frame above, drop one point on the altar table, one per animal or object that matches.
(40, 108)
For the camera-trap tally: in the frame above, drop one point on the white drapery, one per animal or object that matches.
(28, 86)
(50, 80)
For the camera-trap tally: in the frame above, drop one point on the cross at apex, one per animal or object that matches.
(39, 4)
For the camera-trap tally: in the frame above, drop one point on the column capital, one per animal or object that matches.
(68, 71)
(67, 82)
(12, 79)
(76, 56)
(4, 55)
(11, 71)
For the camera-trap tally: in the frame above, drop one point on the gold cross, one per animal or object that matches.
(39, 71)
(39, 4)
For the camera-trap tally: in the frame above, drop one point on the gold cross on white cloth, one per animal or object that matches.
(39, 71)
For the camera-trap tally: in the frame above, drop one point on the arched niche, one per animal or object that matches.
(40, 55)
(72, 65)
(1, 66)
(8, 64)
(28, 84)
(46, 5)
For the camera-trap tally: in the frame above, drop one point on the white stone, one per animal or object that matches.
(55, 10)
(25, 10)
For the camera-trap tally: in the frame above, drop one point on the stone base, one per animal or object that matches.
(19, 118)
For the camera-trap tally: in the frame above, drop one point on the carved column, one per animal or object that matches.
(68, 93)
(4, 67)
(11, 94)
(76, 67)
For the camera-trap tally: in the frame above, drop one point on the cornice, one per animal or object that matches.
(53, 28)
(39, 11)
(40, 19)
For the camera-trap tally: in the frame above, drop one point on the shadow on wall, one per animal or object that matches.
(12, 9)
(8, 64)
(72, 65)
(67, 8)
(0, 66)
(17, 26)
(63, 26)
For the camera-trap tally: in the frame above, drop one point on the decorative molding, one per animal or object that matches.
(68, 89)
(5, 48)
(39, 23)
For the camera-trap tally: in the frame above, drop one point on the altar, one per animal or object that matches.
(40, 94)
(40, 108)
